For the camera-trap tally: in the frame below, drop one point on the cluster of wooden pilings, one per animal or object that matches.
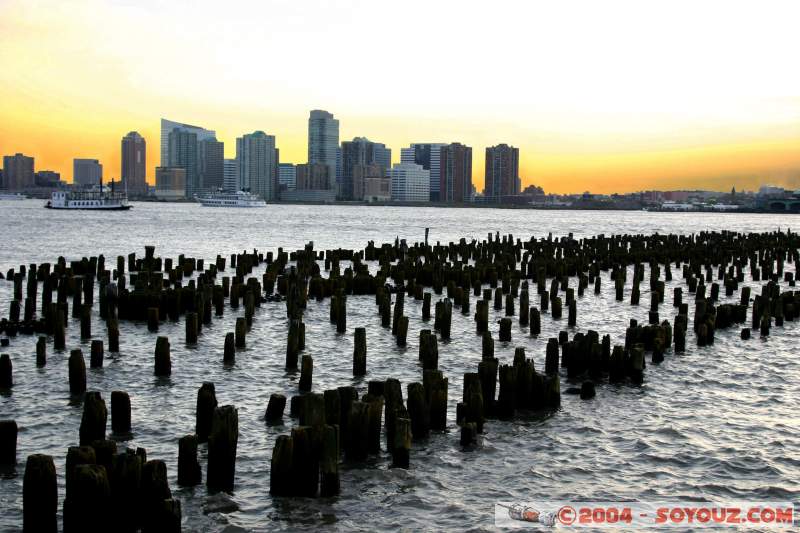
(523, 281)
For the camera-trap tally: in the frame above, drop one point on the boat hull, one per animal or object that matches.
(114, 208)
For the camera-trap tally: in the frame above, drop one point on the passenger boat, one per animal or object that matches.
(93, 199)
(231, 199)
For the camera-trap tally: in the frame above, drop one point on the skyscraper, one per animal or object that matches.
(86, 172)
(361, 151)
(210, 165)
(258, 164)
(502, 172)
(182, 153)
(410, 183)
(323, 139)
(168, 125)
(428, 155)
(134, 157)
(18, 172)
(455, 181)
(230, 175)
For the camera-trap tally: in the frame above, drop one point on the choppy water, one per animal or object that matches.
(718, 423)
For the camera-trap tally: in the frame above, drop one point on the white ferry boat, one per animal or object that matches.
(91, 199)
(231, 199)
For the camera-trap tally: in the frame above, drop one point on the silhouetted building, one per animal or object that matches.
(211, 166)
(287, 176)
(410, 183)
(360, 151)
(323, 140)
(168, 125)
(87, 172)
(428, 155)
(18, 172)
(48, 178)
(258, 164)
(170, 183)
(501, 180)
(183, 153)
(134, 164)
(455, 181)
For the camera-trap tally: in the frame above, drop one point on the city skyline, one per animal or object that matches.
(671, 101)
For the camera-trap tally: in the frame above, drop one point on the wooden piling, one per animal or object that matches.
(163, 364)
(204, 410)
(189, 473)
(275, 408)
(360, 352)
(8, 442)
(96, 356)
(77, 373)
(39, 495)
(222, 443)
(306, 371)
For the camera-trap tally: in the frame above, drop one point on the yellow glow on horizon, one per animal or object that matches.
(613, 96)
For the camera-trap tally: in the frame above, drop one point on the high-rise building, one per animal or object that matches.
(170, 183)
(183, 153)
(18, 172)
(87, 172)
(428, 155)
(455, 180)
(134, 164)
(323, 139)
(361, 151)
(210, 164)
(501, 180)
(258, 164)
(362, 174)
(287, 176)
(230, 175)
(313, 177)
(168, 125)
(48, 178)
(410, 183)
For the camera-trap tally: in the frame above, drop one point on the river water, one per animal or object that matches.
(717, 423)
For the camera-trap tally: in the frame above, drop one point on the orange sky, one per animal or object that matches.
(622, 98)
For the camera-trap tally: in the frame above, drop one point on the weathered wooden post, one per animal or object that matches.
(229, 350)
(77, 373)
(418, 411)
(6, 377)
(8, 442)
(329, 461)
(505, 330)
(222, 443)
(275, 408)
(86, 322)
(281, 478)
(41, 351)
(306, 371)
(192, 325)
(94, 419)
(360, 352)
(241, 329)
(152, 319)
(120, 413)
(204, 410)
(89, 503)
(39, 495)
(163, 364)
(401, 443)
(189, 473)
(96, 356)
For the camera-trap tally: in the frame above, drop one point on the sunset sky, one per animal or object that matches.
(598, 95)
